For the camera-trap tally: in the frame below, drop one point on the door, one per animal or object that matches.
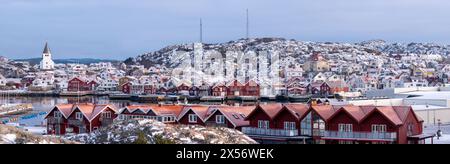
(58, 129)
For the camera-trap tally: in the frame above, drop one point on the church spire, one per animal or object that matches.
(46, 49)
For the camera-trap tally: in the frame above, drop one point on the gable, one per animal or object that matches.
(258, 112)
(376, 117)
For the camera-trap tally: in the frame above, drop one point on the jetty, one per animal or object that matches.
(11, 109)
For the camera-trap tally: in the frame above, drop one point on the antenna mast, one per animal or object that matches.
(201, 31)
(247, 27)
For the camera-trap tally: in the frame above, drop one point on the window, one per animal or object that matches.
(220, 119)
(57, 114)
(193, 118)
(345, 127)
(289, 125)
(78, 115)
(410, 129)
(263, 124)
(378, 128)
(106, 114)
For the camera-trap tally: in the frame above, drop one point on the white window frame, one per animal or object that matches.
(379, 128)
(107, 114)
(57, 114)
(289, 125)
(220, 119)
(78, 115)
(345, 127)
(192, 118)
(263, 124)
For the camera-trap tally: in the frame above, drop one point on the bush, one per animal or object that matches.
(160, 140)
(142, 139)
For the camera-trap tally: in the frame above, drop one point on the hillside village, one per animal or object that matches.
(259, 68)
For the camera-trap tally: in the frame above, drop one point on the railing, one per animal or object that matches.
(360, 135)
(269, 132)
(306, 132)
(75, 122)
(55, 120)
(106, 121)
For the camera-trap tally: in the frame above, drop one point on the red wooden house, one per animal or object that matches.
(81, 84)
(219, 90)
(235, 88)
(366, 124)
(79, 118)
(251, 88)
(276, 123)
(319, 88)
(183, 89)
(193, 115)
(228, 116)
(299, 123)
(162, 113)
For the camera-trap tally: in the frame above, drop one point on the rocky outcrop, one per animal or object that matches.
(13, 135)
(154, 132)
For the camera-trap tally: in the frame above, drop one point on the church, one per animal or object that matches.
(47, 62)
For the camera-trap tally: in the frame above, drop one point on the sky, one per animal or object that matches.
(118, 29)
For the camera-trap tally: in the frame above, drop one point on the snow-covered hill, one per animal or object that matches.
(12, 135)
(154, 132)
(173, 56)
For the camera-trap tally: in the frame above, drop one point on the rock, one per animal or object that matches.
(13, 135)
(128, 132)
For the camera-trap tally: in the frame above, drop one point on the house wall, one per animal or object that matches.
(342, 118)
(185, 119)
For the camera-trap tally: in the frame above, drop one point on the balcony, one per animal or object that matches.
(269, 132)
(106, 121)
(75, 122)
(55, 120)
(360, 135)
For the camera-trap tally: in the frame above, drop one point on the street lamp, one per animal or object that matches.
(439, 124)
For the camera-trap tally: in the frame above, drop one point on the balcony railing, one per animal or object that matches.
(75, 122)
(269, 132)
(360, 135)
(106, 121)
(55, 120)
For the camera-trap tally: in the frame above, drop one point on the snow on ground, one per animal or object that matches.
(9, 138)
(432, 129)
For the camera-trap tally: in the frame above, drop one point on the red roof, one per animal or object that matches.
(90, 111)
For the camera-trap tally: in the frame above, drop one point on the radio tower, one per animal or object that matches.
(201, 31)
(247, 28)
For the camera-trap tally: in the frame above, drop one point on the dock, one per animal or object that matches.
(12, 109)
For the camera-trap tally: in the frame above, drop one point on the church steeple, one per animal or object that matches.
(46, 49)
(46, 62)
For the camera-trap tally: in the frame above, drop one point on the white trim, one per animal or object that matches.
(218, 109)
(186, 111)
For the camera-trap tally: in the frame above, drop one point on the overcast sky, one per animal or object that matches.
(117, 29)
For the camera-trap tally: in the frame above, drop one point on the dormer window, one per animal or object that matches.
(78, 115)
(57, 114)
(220, 119)
(192, 118)
(106, 114)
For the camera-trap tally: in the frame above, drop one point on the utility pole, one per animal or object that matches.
(247, 27)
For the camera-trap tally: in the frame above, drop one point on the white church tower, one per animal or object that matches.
(46, 62)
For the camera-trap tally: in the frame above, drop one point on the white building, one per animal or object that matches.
(47, 62)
